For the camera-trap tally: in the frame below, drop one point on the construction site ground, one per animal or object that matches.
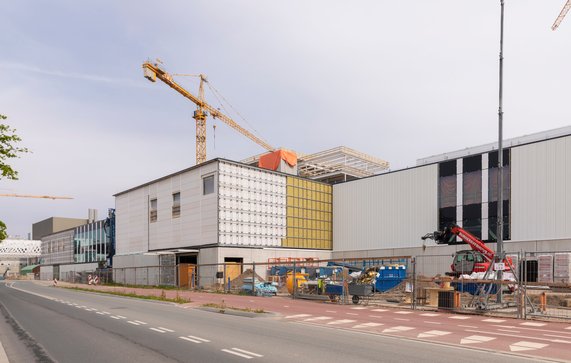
(546, 339)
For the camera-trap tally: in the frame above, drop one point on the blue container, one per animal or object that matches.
(333, 289)
(389, 277)
(472, 287)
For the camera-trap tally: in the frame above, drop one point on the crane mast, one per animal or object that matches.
(154, 71)
(561, 16)
(33, 196)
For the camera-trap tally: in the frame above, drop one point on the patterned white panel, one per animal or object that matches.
(252, 206)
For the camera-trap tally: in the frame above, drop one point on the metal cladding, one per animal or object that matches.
(252, 206)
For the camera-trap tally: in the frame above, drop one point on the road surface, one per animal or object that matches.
(52, 324)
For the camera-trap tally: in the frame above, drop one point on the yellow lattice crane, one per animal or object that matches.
(154, 71)
(562, 14)
(33, 196)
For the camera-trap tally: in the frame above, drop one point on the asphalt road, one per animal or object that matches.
(51, 324)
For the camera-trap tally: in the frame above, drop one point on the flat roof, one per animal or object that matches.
(516, 141)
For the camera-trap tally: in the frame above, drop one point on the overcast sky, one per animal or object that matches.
(399, 80)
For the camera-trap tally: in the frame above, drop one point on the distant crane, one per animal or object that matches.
(33, 196)
(154, 71)
(562, 14)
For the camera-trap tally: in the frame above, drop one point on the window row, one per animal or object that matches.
(309, 194)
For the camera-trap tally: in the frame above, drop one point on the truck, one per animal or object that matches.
(466, 262)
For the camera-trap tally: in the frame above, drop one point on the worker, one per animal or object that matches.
(319, 286)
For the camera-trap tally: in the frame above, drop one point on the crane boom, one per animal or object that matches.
(153, 71)
(562, 14)
(33, 196)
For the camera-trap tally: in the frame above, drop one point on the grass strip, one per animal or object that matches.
(178, 299)
(222, 307)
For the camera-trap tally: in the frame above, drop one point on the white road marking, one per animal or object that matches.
(523, 345)
(432, 322)
(403, 312)
(433, 333)
(286, 306)
(158, 330)
(247, 352)
(114, 317)
(342, 321)
(559, 336)
(397, 329)
(430, 314)
(458, 317)
(351, 313)
(568, 328)
(330, 311)
(401, 319)
(530, 323)
(476, 339)
(523, 336)
(319, 318)
(367, 325)
(236, 353)
(132, 322)
(468, 326)
(166, 329)
(199, 338)
(121, 316)
(140, 322)
(297, 316)
(359, 308)
(376, 316)
(494, 320)
(191, 340)
(509, 330)
(380, 310)
(106, 313)
(100, 313)
(3, 356)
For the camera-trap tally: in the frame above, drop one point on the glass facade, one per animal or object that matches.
(493, 194)
(90, 243)
(309, 214)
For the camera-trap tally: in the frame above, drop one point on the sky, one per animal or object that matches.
(399, 80)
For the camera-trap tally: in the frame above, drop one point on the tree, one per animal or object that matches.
(8, 150)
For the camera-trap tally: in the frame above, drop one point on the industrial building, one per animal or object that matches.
(387, 214)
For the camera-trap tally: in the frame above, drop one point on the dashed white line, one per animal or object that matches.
(458, 317)
(468, 326)
(114, 317)
(351, 313)
(379, 310)
(247, 352)
(297, 316)
(191, 340)
(433, 322)
(358, 308)
(397, 329)
(367, 325)
(376, 316)
(242, 353)
(158, 330)
(494, 320)
(121, 316)
(330, 311)
(430, 314)
(140, 322)
(401, 319)
(403, 312)
(319, 318)
(530, 323)
(100, 313)
(132, 322)
(166, 329)
(199, 338)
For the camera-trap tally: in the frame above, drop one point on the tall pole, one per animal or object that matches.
(500, 219)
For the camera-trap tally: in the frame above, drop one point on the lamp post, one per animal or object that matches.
(500, 218)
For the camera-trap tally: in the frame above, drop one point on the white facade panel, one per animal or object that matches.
(196, 224)
(541, 190)
(252, 206)
(386, 211)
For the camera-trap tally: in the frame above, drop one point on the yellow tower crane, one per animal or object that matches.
(562, 14)
(154, 71)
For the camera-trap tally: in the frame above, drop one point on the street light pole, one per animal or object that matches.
(500, 219)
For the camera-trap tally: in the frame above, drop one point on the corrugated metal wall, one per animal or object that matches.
(309, 214)
(252, 206)
(387, 211)
(541, 190)
(196, 225)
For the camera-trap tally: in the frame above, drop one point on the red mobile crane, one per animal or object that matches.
(466, 261)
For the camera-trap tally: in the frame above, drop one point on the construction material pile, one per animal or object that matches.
(368, 277)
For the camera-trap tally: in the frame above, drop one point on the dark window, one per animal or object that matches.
(493, 158)
(472, 219)
(493, 183)
(176, 205)
(447, 191)
(153, 210)
(493, 220)
(472, 187)
(447, 216)
(447, 168)
(208, 185)
(472, 163)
